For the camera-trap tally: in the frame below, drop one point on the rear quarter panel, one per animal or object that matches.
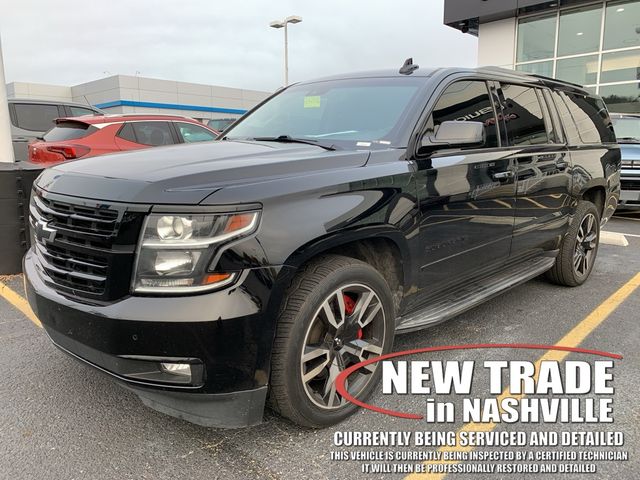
(597, 166)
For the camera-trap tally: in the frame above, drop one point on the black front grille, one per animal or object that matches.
(85, 248)
(633, 184)
(634, 164)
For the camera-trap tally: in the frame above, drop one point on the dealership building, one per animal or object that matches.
(591, 43)
(135, 94)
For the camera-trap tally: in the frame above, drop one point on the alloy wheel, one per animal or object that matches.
(586, 243)
(347, 328)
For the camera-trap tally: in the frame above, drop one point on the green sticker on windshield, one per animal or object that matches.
(312, 102)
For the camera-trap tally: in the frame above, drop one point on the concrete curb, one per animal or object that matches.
(613, 238)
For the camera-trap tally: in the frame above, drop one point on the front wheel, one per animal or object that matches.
(579, 248)
(337, 312)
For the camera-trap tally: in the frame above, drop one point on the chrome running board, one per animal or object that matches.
(468, 296)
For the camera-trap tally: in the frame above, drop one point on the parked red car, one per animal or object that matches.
(88, 136)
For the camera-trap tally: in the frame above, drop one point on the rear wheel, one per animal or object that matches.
(337, 312)
(579, 248)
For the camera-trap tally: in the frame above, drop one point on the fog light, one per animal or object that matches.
(181, 369)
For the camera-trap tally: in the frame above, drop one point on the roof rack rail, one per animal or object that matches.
(517, 73)
(543, 77)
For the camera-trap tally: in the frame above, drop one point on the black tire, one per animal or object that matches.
(313, 287)
(564, 271)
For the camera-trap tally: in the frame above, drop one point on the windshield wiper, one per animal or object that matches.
(290, 139)
(628, 140)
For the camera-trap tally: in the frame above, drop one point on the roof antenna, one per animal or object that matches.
(408, 67)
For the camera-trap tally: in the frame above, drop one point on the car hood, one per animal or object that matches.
(187, 174)
(630, 151)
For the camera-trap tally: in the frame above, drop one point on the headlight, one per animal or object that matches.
(175, 251)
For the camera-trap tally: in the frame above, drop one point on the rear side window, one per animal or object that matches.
(556, 122)
(35, 117)
(523, 116)
(570, 128)
(127, 133)
(462, 101)
(69, 131)
(590, 117)
(153, 134)
(79, 111)
(191, 133)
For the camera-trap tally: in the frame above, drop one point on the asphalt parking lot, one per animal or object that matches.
(59, 419)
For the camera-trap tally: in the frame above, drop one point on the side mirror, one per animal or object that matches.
(456, 134)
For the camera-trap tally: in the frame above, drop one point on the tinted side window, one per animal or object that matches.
(462, 101)
(557, 124)
(35, 117)
(570, 128)
(79, 111)
(546, 115)
(153, 133)
(127, 133)
(523, 116)
(591, 118)
(191, 133)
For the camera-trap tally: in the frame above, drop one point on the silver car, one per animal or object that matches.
(30, 119)
(627, 127)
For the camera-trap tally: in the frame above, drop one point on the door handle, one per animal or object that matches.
(506, 175)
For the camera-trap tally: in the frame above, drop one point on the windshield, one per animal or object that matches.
(336, 112)
(627, 129)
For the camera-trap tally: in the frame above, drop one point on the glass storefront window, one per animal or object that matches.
(579, 31)
(536, 38)
(622, 25)
(620, 66)
(596, 46)
(538, 68)
(623, 98)
(580, 70)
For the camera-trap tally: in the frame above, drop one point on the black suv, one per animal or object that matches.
(214, 278)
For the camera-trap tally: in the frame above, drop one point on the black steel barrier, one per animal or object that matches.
(16, 180)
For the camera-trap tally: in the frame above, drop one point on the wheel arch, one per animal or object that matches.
(597, 195)
(384, 248)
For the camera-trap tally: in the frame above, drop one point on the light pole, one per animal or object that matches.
(6, 147)
(283, 24)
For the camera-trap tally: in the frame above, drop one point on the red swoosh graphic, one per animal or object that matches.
(340, 381)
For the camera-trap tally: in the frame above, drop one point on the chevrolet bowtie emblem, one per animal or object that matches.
(44, 232)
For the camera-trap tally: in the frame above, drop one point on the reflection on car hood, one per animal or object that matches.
(187, 174)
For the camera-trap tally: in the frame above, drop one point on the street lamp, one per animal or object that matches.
(283, 24)
(6, 147)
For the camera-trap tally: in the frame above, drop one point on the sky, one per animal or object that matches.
(222, 43)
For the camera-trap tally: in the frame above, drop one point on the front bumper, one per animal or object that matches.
(226, 336)
(630, 194)
(629, 199)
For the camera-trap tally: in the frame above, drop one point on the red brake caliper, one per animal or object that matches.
(349, 307)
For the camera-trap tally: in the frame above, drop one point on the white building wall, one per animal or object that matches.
(497, 43)
(39, 91)
(151, 90)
